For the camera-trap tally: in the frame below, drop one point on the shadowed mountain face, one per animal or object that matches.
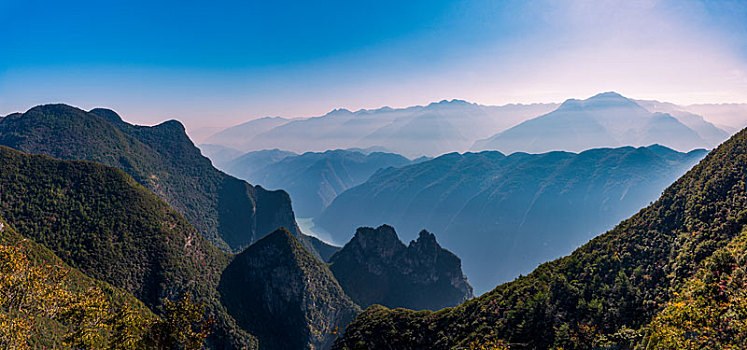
(503, 215)
(678, 262)
(604, 120)
(285, 296)
(227, 211)
(414, 131)
(312, 180)
(375, 267)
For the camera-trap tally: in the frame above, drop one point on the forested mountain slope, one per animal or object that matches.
(606, 293)
(99, 220)
(229, 212)
(43, 302)
(287, 297)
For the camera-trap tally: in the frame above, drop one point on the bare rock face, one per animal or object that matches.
(285, 296)
(375, 267)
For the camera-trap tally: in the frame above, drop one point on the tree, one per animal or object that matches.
(184, 326)
(27, 293)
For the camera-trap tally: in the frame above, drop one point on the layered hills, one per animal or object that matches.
(311, 179)
(229, 212)
(667, 277)
(240, 136)
(504, 215)
(375, 267)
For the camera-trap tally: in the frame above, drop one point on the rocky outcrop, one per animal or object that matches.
(375, 267)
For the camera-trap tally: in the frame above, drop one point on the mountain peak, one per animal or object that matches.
(382, 240)
(172, 124)
(602, 100)
(425, 237)
(608, 94)
(107, 114)
(338, 111)
(283, 240)
(295, 303)
(452, 102)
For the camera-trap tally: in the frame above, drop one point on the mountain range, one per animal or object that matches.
(430, 130)
(669, 277)
(104, 211)
(274, 295)
(492, 210)
(604, 120)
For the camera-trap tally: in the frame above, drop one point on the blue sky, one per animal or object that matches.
(223, 62)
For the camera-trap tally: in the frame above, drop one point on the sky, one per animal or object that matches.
(224, 62)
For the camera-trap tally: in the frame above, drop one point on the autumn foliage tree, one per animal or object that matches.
(32, 295)
(27, 293)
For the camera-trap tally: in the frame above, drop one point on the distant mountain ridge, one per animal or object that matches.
(460, 126)
(413, 131)
(707, 131)
(240, 136)
(491, 209)
(604, 120)
(375, 267)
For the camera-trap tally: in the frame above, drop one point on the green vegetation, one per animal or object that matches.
(44, 303)
(229, 212)
(99, 220)
(710, 311)
(607, 293)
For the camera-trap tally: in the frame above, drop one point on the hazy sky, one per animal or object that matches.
(232, 61)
